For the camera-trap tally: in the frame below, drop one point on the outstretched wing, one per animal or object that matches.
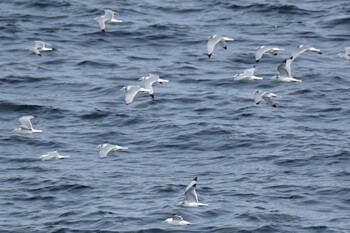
(131, 93)
(260, 52)
(284, 68)
(109, 14)
(105, 150)
(190, 192)
(26, 123)
(212, 41)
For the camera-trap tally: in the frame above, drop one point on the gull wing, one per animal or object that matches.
(249, 72)
(35, 50)
(26, 123)
(109, 14)
(131, 92)
(300, 49)
(105, 150)
(190, 192)
(260, 52)
(284, 68)
(212, 41)
(258, 95)
(101, 22)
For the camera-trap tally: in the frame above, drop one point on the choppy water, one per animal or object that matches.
(261, 169)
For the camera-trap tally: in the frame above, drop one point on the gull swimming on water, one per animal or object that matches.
(214, 39)
(285, 73)
(26, 126)
(265, 49)
(177, 220)
(248, 74)
(149, 80)
(267, 96)
(131, 91)
(53, 155)
(191, 196)
(106, 148)
(303, 48)
(345, 55)
(108, 17)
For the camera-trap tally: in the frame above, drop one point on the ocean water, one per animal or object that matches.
(260, 169)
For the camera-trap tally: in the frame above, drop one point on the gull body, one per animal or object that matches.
(108, 17)
(191, 196)
(303, 48)
(176, 220)
(131, 91)
(106, 148)
(265, 49)
(149, 80)
(345, 55)
(248, 74)
(266, 96)
(53, 155)
(26, 126)
(285, 73)
(214, 39)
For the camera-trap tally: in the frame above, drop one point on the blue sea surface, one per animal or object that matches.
(260, 169)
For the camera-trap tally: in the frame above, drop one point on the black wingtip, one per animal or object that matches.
(195, 179)
(102, 30)
(291, 58)
(275, 54)
(257, 61)
(225, 47)
(152, 96)
(275, 106)
(257, 103)
(320, 53)
(39, 54)
(209, 55)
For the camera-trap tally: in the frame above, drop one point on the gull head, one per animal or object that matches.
(16, 130)
(123, 89)
(142, 78)
(274, 77)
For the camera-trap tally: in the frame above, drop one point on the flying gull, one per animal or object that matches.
(53, 155)
(303, 48)
(214, 39)
(108, 17)
(26, 126)
(264, 95)
(248, 74)
(149, 80)
(285, 72)
(191, 196)
(106, 148)
(265, 49)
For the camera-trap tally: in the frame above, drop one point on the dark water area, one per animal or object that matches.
(260, 169)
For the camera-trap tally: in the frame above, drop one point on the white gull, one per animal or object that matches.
(264, 95)
(26, 126)
(214, 39)
(106, 148)
(149, 80)
(191, 196)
